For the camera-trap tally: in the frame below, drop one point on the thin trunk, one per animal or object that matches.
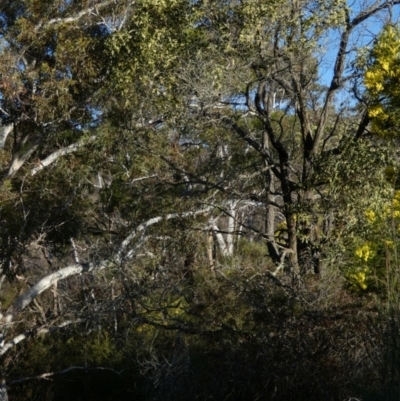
(114, 308)
(292, 236)
(210, 246)
(289, 207)
(231, 227)
(290, 216)
(308, 249)
(20, 158)
(220, 240)
(3, 387)
(270, 209)
(55, 299)
(270, 232)
(4, 132)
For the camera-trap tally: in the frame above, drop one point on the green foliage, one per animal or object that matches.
(171, 107)
(71, 349)
(143, 57)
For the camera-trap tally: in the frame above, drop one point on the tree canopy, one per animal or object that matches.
(194, 193)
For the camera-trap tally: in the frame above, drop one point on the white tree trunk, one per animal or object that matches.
(4, 132)
(20, 158)
(232, 211)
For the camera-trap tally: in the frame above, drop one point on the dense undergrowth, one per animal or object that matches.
(242, 334)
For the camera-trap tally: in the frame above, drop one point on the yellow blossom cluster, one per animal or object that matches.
(365, 252)
(370, 216)
(381, 80)
(360, 278)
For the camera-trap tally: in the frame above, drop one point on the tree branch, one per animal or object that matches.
(254, 144)
(5, 131)
(61, 152)
(43, 330)
(46, 282)
(74, 18)
(20, 157)
(340, 63)
(142, 227)
(62, 372)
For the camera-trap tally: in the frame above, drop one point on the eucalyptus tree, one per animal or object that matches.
(240, 99)
(258, 78)
(119, 117)
(62, 166)
(81, 188)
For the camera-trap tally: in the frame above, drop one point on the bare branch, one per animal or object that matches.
(143, 178)
(76, 256)
(43, 330)
(74, 18)
(373, 9)
(142, 227)
(19, 158)
(5, 131)
(46, 282)
(253, 143)
(11, 344)
(61, 152)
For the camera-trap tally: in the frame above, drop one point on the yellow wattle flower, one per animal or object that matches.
(360, 278)
(364, 252)
(370, 215)
(375, 111)
(385, 65)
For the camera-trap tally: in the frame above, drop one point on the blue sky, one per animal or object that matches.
(362, 36)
